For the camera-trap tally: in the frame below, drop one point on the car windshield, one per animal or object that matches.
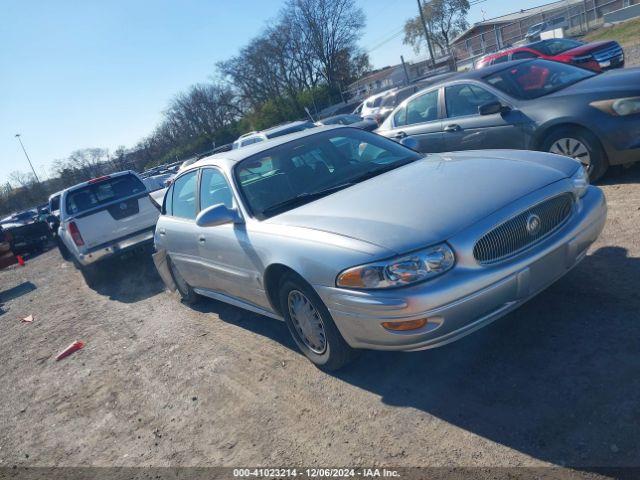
(102, 192)
(298, 172)
(536, 78)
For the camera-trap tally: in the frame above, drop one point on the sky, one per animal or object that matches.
(95, 73)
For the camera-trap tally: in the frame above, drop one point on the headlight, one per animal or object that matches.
(580, 181)
(399, 271)
(618, 107)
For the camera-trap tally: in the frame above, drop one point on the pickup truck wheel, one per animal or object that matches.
(311, 325)
(187, 294)
(580, 145)
(64, 252)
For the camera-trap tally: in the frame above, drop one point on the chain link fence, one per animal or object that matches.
(576, 17)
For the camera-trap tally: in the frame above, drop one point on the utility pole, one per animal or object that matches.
(426, 34)
(28, 159)
(404, 67)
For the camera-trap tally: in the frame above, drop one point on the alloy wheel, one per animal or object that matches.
(574, 148)
(307, 322)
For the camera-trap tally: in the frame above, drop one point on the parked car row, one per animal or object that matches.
(358, 242)
(361, 240)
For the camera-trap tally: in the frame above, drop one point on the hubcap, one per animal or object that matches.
(571, 147)
(307, 322)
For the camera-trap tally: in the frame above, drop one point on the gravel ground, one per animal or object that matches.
(159, 383)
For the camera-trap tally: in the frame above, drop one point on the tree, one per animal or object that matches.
(331, 29)
(445, 19)
(21, 179)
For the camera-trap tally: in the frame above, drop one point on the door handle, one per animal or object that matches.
(162, 231)
(201, 239)
(400, 135)
(454, 127)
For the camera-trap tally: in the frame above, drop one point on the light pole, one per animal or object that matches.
(28, 159)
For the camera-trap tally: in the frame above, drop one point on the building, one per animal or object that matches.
(383, 79)
(488, 36)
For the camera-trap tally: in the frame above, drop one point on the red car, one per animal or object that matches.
(596, 56)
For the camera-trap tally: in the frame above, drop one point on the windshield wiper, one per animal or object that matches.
(304, 197)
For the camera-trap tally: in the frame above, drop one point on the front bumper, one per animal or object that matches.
(469, 296)
(620, 137)
(116, 247)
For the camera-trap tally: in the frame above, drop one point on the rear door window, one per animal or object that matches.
(103, 192)
(183, 203)
(423, 108)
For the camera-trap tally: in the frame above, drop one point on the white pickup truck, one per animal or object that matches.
(105, 217)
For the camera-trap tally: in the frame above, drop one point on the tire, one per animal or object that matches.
(325, 346)
(64, 251)
(585, 147)
(187, 294)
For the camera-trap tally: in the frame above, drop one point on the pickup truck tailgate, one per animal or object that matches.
(111, 209)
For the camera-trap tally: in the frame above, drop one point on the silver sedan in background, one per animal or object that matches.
(358, 242)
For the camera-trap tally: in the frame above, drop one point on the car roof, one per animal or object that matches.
(486, 71)
(231, 157)
(89, 182)
(283, 126)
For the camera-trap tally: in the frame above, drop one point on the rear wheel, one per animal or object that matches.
(187, 294)
(580, 145)
(311, 325)
(64, 251)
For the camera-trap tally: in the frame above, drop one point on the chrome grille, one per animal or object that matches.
(608, 53)
(517, 233)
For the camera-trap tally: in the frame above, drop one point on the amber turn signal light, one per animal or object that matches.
(405, 325)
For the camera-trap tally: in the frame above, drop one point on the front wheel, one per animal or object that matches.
(580, 145)
(311, 325)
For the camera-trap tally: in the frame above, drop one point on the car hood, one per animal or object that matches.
(429, 200)
(589, 47)
(620, 80)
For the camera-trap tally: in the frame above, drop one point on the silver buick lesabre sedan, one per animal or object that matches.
(357, 242)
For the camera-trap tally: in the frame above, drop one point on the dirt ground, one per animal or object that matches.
(159, 383)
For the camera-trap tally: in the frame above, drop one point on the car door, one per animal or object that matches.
(230, 266)
(177, 227)
(419, 118)
(465, 129)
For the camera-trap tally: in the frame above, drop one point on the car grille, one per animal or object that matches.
(518, 234)
(608, 53)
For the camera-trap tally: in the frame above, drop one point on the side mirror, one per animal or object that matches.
(217, 215)
(410, 142)
(492, 108)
